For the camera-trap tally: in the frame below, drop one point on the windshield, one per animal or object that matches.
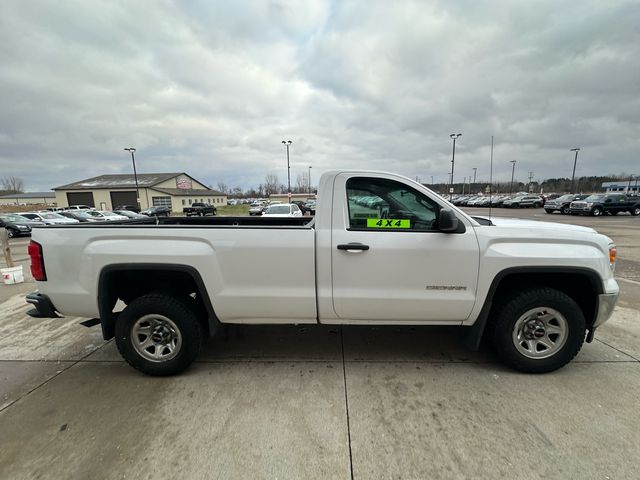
(14, 218)
(593, 198)
(564, 198)
(51, 216)
(278, 209)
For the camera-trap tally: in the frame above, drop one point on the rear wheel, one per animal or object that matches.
(539, 330)
(635, 211)
(537, 205)
(159, 334)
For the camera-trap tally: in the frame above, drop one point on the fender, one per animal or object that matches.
(475, 331)
(106, 301)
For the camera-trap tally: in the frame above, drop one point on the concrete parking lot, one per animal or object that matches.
(321, 402)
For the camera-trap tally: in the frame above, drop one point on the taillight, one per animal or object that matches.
(37, 261)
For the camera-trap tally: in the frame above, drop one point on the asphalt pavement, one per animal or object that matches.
(321, 402)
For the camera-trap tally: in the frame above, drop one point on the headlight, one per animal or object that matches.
(613, 252)
(589, 204)
(23, 227)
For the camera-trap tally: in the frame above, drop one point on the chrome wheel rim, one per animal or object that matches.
(156, 338)
(596, 212)
(540, 333)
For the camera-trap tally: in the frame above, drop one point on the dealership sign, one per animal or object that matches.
(183, 182)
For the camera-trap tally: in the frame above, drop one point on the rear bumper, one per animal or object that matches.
(43, 306)
(604, 307)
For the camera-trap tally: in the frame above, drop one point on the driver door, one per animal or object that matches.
(389, 260)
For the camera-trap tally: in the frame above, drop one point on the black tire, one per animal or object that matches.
(635, 211)
(548, 211)
(565, 210)
(184, 317)
(11, 233)
(596, 211)
(508, 315)
(537, 205)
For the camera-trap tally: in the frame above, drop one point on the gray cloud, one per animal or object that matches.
(212, 87)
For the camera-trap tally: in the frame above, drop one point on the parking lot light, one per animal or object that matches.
(454, 137)
(575, 160)
(135, 174)
(286, 144)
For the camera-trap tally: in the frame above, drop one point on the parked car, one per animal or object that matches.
(130, 214)
(562, 204)
(128, 208)
(610, 203)
(109, 216)
(256, 209)
(532, 201)
(199, 209)
(81, 215)
(78, 207)
(513, 202)
(17, 225)
(536, 290)
(157, 212)
(283, 210)
(310, 207)
(49, 218)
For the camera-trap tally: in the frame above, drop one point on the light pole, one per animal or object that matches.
(286, 144)
(310, 180)
(431, 180)
(475, 170)
(513, 170)
(454, 137)
(575, 160)
(629, 184)
(135, 174)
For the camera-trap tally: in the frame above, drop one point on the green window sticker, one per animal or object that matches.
(387, 223)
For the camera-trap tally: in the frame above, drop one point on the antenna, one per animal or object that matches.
(491, 178)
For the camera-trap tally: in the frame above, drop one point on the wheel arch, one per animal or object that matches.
(114, 281)
(580, 283)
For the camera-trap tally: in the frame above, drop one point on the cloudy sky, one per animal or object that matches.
(211, 88)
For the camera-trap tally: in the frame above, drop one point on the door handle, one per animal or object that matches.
(353, 247)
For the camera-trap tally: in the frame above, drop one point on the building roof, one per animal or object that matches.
(30, 195)
(120, 181)
(193, 192)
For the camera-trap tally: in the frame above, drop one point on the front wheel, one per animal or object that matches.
(596, 212)
(159, 334)
(11, 233)
(539, 330)
(565, 210)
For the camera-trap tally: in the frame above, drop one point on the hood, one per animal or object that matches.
(534, 224)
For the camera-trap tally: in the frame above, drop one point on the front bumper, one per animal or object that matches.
(604, 307)
(43, 306)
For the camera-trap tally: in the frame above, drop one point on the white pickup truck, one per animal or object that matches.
(381, 250)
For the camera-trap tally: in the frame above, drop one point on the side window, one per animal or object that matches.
(387, 205)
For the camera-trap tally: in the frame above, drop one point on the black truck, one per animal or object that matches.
(199, 209)
(609, 203)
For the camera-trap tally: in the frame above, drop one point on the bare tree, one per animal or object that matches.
(11, 184)
(302, 183)
(222, 187)
(270, 184)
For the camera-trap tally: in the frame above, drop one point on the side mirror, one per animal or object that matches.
(447, 222)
